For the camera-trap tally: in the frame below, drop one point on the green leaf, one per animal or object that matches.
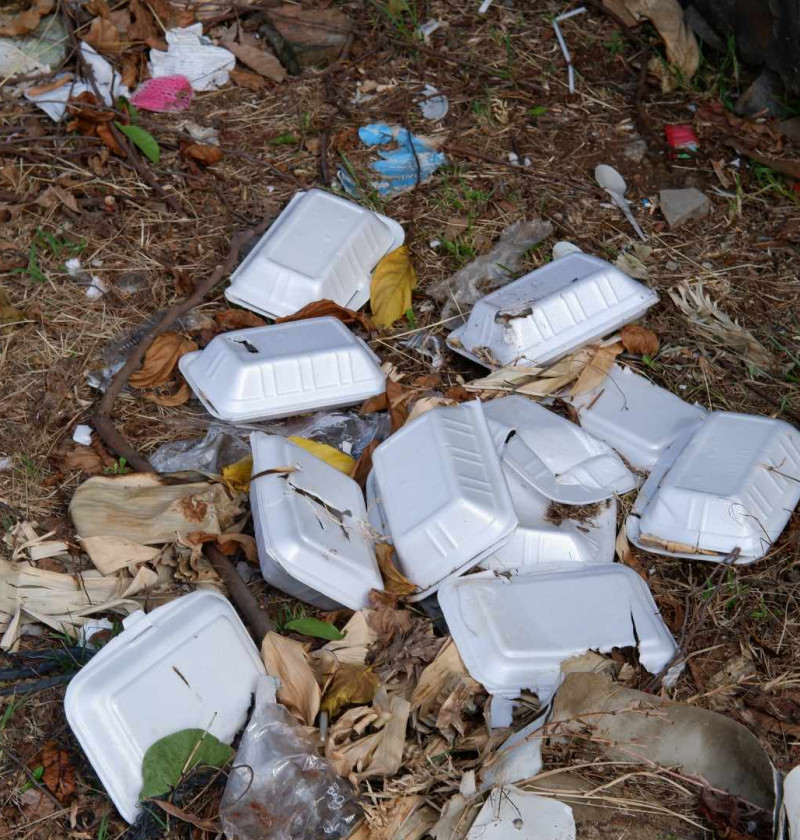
(142, 139)
(168, 759)
(537, 111)
(314, 627)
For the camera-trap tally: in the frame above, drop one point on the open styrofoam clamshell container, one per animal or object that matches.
(443, 494)
(636, 417)
(311, 527)
(514, 631)
(551, 312)
(189, 664)
(264, 373)
(727, 489)
(554, 456)
(547, 536)
(320, 247)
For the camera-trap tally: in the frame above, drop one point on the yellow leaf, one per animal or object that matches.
(286, 659)
(393, 281)
(393, 580)
(237, 476)
(329, 454)
(351, 686)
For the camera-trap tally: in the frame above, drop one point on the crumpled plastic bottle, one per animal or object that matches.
(280, 788)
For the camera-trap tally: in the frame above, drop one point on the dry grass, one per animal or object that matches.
(744, 252)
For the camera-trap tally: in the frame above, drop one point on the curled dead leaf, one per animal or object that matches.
(28, 20)
(321, 308)
(179, 397)
(597, 368)
(393, 580)
(59, 774)
(363, 465)
(393, 281)
(352, 685)
(639, 340)
(286, 659)
(237, 319)
(203, 153)
(9, 314)
(104, 36)
(160, 360)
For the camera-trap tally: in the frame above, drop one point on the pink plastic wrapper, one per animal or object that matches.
(166, 93)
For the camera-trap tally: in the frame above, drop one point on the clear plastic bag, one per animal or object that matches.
(279, 787)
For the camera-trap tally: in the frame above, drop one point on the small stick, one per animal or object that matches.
(324, 172)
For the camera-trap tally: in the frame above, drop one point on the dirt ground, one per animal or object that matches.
(505, 80)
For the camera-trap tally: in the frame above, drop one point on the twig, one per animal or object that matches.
(324, 172)
(101, 419)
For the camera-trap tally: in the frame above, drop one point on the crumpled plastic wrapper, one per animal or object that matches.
(279, 787)
(459, 293)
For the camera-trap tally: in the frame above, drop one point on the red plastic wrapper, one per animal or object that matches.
(682, 138)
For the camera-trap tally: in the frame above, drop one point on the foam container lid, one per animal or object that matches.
(538, 539)
(311, 527)
(189, 664)
(732, 484)
(444, 495)
(375, 512)
(551, 312)
(321, 247)
(513, 632)
(554, 456)
(635, 417)
(265, 373)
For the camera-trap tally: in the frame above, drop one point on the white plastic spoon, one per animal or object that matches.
(614, 184)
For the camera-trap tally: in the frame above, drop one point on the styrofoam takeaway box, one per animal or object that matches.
(320, 247)
(443, 494)
(552, 455)
(636, 417)
(278, 371)
(731, 485)
(550, 312)
(189, 664)
(513, 632)
(311, 527)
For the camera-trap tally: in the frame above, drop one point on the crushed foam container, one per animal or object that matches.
(189, 664)
(320, 247)
(282, 370)
(443, 494)
(514, 631)
(541, 537)
(635, 417)
(728, 488)
(311, 527)
(513, 813)
(553, 456)
(551, 312)
(375, 512)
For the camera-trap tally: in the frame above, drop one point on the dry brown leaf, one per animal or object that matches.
(322, 308)
(179, 397)
(59, 774)
(28, 20)
(352, 685)
(144, 26)
(104, 36)
(238, 319)
(427, 404)
(179, 813)
(397, 398)
(393, 580)
(131, 70)
(161, 359)
(246, 79)
(286, 659)
(596, 369)
(393, 281)
(388, 756)
(377, 403)
(204, 153)
(361, 468)
(639, 340)
(55, 195)
(627, 555)
(8, 313)
(85, 459)
(258, 59)
(110, 554)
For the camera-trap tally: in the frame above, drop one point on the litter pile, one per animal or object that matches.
(494, 514)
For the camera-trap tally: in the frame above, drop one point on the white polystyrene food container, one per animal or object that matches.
(189, 664)
(281, 370)
(320, 247)
(731, 485)
(551, 312)
(514, 631)
(540, 539)
(375, 512)
(554, 456)
(636, 417)
(443, 494)
(311, 527)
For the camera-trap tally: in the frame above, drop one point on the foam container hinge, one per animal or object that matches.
(443, 494)
(550, 312)
(540, 539)
(265, 373)
(189, 664)
(635, 417)
(729, 487)
(320, 247)
(311, 527)
(514, 631)
(554, 456)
